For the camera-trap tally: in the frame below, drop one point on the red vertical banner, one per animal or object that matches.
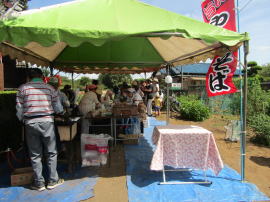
(220, 73)
(220, 13)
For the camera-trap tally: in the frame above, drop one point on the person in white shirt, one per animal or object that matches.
(133, 96)
(154, 88)
(88, 103)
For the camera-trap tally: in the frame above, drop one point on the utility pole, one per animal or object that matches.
(8, 8)
(182, 79)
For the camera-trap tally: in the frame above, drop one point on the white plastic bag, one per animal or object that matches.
(94, 149)
(146, 123)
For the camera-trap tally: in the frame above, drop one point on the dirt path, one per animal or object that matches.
(111, 185)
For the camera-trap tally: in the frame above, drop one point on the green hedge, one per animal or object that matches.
(193, 109)
(10, 126)
(258, 111)
(261, 124)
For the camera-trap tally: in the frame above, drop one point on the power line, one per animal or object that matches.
(245, 6)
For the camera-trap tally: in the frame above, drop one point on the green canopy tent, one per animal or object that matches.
(93, 36)
(111, 36)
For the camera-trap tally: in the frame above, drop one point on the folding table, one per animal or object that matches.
(185, 146)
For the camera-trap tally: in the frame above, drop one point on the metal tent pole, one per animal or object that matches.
(51, 70)
(168, 106)
(243, 98)
(182, 74)
(242, 151)
(239, 63)
(243, 134)
(72, 80)
(168, 100)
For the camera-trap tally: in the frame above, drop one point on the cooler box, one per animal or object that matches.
(22, 176)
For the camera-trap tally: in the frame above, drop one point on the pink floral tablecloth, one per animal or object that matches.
(185, 146)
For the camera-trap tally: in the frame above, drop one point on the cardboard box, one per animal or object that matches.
(125, 110)
(22, 176)
(130, 138)
(64, 132)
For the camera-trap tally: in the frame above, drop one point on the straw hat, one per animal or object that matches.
(134, 83)
(155, 79)
(131, 90)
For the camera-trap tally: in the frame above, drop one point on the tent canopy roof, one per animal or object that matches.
(111, 36)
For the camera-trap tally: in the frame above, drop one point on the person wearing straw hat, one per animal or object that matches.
(133, 96)
(88, 103)
(153, 87)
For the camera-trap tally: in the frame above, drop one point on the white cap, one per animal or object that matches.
(131, 90)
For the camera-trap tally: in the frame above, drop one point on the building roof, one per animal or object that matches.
(194, 69)
(197, 78)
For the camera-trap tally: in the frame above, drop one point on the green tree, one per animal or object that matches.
(258, 99)
(46, 72)
(84, 80)
(265, 72)
(253, 68)
(111, 80)
(66, 81)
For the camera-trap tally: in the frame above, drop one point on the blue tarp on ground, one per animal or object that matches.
(77, 186)
(143, 184)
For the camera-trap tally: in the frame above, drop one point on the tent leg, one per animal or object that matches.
(168, 106)
(243, 134)
(72, 80)
(51, 70)
(168, 100)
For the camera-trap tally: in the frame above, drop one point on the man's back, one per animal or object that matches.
(37, 102)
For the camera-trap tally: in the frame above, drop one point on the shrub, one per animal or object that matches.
(187, 98)
(193, 109)
(260, 124)
(258, 99)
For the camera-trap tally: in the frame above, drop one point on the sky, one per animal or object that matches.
(254, 18)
